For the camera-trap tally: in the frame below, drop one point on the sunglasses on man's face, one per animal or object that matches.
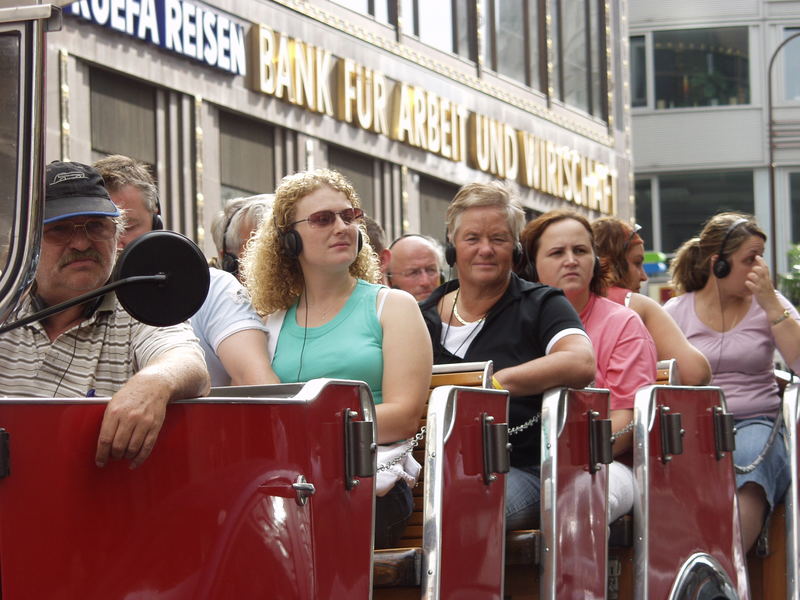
(326, 218)
(97, 230)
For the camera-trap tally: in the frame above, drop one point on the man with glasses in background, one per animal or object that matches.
(415, 265)
(231, 334)
(95, 348)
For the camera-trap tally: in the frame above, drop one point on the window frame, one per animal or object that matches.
(540, 43)
(785, 33)
(591, 39)
(650, 76)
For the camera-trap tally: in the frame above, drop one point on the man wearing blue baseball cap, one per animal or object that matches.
(95, 349)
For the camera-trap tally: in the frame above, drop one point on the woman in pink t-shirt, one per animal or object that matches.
(729, 311)
(560, 246)
(621, 252)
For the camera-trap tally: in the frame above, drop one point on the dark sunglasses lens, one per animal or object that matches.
(348, 214)
(59, 233)
(322, 218)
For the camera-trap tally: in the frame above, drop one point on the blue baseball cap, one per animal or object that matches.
(75, 190)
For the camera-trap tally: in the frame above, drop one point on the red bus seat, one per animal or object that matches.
(686, 522)
(574, 529)
(466, 458)
(791, 419)
(212, 514)
(774, 564)
(446, 559)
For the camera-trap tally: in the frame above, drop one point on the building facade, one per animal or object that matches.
(409, 99)
(701, 123)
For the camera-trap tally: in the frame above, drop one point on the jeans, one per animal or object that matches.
(392, 512)
(523, 490)
(773, 474)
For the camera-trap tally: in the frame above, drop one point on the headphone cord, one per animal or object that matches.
(722, 337)
(69, 364)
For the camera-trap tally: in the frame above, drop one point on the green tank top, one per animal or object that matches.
(349, 346)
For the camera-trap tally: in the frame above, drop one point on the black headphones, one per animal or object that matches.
(722, 268)
(230, 261)
(157, 222)
(450, 253)
(291, 243)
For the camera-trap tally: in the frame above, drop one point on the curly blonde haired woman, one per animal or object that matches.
(312, 260)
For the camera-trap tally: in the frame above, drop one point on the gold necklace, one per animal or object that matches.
(459, 318)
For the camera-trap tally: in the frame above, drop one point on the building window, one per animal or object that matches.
(359, 170)
(123, 116)
(465, 25)
(791, 58)
(687, 200)
(638, 72)
(247, 151)
(434, 198)
(579, 46)
(448, 25)
(794, 195)
(384, 11)
(701, 67)
(513, 44)
(644, 211)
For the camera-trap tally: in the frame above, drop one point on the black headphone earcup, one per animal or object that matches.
(359, 243)
(532, 273)
(158, 223)
(230, 263)
(722, 268)
(517, 256)
(291, 243)
(450, 254)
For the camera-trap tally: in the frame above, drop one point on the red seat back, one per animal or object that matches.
(211, 514)
(464, 519)
(685, 516)
(574, 499)
(791, 419)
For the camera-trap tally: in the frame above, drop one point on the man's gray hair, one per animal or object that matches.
(118, 171)
(119, 222)
(227, 222)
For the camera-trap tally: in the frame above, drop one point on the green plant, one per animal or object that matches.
(705, 87)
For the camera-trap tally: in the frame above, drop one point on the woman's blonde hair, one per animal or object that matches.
(275, 279)
(496, 194)
(691, 267)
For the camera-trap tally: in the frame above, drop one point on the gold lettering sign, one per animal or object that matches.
(305, 75)
(290, 69)
(564, 173)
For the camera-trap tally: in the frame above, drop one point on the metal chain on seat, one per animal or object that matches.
(623, 431)
(529, 423)
(412, 443)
